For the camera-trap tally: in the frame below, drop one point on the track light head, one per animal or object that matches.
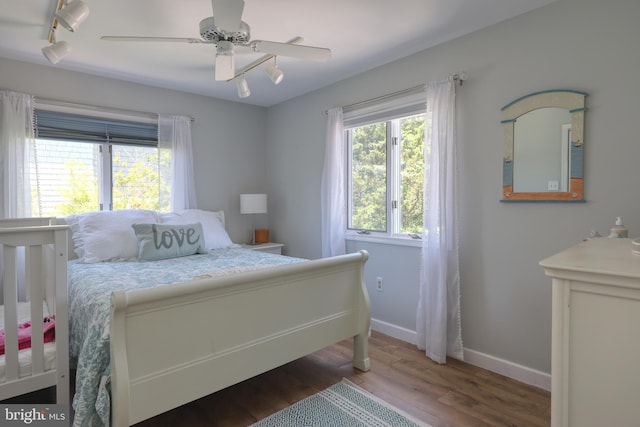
(275, 74)
(72, 15)
(56, 51)
(242, 86)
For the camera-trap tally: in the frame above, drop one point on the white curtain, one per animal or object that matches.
(332, 191)
(438, 317)
(16, 144)
(174, 137)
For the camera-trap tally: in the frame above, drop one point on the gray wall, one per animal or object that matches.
(587, 45)
(228, 137)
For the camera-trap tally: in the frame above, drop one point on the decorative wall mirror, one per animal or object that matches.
(544, 147)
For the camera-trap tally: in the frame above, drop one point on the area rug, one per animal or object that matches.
(341, 405)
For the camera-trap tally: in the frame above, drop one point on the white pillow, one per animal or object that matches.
(108, 236)
(215, 236)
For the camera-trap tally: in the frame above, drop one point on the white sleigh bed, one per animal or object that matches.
(171, 344)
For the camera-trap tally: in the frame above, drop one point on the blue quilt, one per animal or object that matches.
(90, 287)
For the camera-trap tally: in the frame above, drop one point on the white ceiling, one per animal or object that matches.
(362, 34)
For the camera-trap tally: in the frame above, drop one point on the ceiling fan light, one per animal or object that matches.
(243, 87)
(225, 67)
(73, 14)
(275, 74)
(56, 51)
(225, 61)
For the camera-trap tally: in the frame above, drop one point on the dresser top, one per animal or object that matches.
(601, 255)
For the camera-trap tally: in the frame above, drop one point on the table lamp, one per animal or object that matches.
(255, 204)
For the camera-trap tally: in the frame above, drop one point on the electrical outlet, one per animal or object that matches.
(379, 284)
(553, 185)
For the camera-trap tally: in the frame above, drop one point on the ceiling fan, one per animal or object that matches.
(227, 31)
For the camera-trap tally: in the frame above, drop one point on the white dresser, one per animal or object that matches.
(595, 361)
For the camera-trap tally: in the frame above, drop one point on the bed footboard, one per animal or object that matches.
(205, 335)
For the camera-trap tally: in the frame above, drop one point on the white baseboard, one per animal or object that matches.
(394, 331)
(495, 364)
(508, 369)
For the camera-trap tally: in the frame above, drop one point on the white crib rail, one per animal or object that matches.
(35, 254)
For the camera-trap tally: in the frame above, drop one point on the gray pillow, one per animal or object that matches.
(162, 241)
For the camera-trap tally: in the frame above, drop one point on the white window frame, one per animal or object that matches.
(105, 190)
(389, 109)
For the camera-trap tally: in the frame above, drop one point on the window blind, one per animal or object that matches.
(75, 127)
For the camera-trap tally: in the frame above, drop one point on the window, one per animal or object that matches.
(85, 163)
(385, 140)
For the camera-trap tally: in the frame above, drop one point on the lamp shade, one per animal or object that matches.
(253, 203)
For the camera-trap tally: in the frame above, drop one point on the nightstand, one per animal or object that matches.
(272, 248)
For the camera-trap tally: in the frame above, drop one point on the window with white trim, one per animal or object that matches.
(88, 163)
(385, 140)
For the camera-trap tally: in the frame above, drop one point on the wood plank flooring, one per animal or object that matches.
(456, 394)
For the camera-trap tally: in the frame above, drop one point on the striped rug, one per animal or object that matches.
(341, 405)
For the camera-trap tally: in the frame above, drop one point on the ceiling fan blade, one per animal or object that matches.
(228, 14)
(154, 39)
(16, 23)
(293, 50)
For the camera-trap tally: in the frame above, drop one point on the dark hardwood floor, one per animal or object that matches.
(455, 394)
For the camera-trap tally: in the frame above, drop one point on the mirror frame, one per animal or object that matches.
(572, 100)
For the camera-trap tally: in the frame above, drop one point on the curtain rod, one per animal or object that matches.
(95, 108)
(461, 77)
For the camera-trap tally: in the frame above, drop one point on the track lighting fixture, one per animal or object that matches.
(272, 70)
(72, 15)
(275, 74)
(56, 51)
(243, 87)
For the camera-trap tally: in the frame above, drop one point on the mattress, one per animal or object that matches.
(24, 356)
